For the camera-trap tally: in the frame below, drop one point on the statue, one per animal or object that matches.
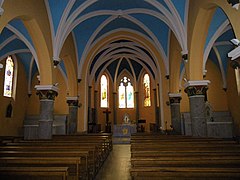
(126, 118)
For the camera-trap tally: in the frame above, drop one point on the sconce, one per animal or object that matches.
(185, 58)
(234, 3)
(1, 66)
(234, 64)
(56, 61)
(235, 53)
(235, 42)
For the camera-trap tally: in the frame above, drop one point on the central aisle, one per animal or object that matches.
(117, 165)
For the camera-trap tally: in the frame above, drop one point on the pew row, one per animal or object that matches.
(180, 157)
(36, 173)
(92, 152)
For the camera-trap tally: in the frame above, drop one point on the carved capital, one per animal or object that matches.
(196, 90)
(47, 94)
(173, 100)
(46, 91)
(72, 102)
(175, 97)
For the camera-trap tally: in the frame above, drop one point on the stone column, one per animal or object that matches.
(47, 94)
(90, 104)
(72, 115)
(137, 105)
(159, 108)
(115, 108)
(96, 105)
(196, 91)
(174, 100)
(156, 109)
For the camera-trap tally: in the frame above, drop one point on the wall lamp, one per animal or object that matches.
(235, 53)
(185, 58)
(56, 61)
(1, 66)
(234, 3)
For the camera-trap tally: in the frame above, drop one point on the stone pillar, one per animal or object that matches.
(174, 100)
(115, 108)
(159, 108)
(90, 104)
(47, 94)
(137, 105)
(72, 115)
(196, 91)
(156, 109)
(96, 105)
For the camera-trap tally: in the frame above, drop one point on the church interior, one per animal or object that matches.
(147, 74)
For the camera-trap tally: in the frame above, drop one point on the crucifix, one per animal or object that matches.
(108, 127)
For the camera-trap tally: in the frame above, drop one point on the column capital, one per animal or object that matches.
(72, 101)
(46, 91)
(197, 83)
(193, 88)
(175, 97)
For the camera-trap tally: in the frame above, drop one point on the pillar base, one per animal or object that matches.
(45, 129)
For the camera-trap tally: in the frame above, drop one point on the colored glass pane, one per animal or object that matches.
(104, 91)
(146, 90)
(8, 81)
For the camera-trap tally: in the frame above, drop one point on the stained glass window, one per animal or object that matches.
(104, 91)
(8, 81)
(146, 86)
(126, 93)
(121, 91)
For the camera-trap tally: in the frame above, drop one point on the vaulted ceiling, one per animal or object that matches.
(89, 21)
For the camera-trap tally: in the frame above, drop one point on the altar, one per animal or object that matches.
(124, 130)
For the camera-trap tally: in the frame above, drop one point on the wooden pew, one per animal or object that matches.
(92, 136)
(157, 153)
(103, 148)
(171, 157)
(86, 169)
(53, 173)
(95, 158)
(201, 161)
(72, 163)
(96, 147)
(146, 173)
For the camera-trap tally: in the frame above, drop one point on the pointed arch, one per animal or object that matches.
(38, 30)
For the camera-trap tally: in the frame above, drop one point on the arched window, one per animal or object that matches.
(126, 93)
(104, 91)
(146, 90)
(8, 81)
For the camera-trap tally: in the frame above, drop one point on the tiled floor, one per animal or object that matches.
(117, 165)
